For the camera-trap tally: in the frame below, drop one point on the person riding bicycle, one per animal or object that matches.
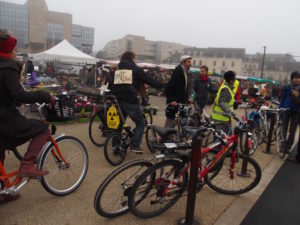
(125, 87)
(224, 103)
(15, 129)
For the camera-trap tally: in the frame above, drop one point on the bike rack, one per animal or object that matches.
(192, 189)
(272, 123)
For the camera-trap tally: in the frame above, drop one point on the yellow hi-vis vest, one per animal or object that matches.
(235, 86)
(217, 111)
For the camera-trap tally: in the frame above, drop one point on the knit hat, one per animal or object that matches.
(295, 74)
(7, 46)
(229, 75)
(185, 57)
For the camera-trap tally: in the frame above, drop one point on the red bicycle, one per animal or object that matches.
(227, 172)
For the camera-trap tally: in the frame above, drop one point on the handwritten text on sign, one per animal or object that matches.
(123, 77)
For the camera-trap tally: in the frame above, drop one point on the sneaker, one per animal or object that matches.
(137, 150)
(8, 198)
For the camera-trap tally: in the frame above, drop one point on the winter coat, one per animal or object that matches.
(129, 92)
(287, 101)
(201, 89)
(176, 87)
(15, 129)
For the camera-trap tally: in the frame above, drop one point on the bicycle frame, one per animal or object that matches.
(13, 187)
(230, 142)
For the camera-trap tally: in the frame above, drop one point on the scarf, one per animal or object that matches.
(205, 78)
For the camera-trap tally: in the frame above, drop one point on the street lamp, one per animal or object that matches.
(263, 63)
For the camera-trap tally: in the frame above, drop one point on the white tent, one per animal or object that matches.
(64, 52)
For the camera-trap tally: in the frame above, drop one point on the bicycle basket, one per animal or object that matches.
(63, 109)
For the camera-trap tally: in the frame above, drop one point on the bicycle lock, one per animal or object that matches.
(192, 189)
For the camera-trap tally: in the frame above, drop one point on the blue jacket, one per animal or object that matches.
(286, 99)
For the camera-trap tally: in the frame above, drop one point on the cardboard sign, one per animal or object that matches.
(112, 118)
(123, 77)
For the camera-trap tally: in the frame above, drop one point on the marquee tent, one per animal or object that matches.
(64, 52)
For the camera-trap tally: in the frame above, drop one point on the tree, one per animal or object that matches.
(100, 55)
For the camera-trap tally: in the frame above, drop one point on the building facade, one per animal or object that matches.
(145, 50)
(38, 28)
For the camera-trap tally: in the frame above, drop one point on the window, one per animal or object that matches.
(232, 64)
(200, 62)
(214, 70)
(223, 63)
(194, 62)
(215, 63)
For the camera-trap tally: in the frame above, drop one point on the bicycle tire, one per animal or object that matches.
(57, 167)
(254, 140)
(151, 138)
(101, 206)
(95, 131)
(256, 171)
(280, 143)
(133, 203)
(117, 147)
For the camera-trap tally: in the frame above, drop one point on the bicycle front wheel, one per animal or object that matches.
(236, 179)
(115, 148)
(67, 166)
(95, 131)
(152, 194)
(280, 143)
(111, 199)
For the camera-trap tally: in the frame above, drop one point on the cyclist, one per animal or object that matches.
(15, 129)
(224, 103)
(125, 87)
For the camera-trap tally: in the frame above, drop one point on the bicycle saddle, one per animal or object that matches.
(163, 132)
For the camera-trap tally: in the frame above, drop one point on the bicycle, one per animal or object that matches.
(111, 198)
(98, 127)
(66, 159)
(171, 176)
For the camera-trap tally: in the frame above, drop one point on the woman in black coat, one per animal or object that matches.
(15, 129)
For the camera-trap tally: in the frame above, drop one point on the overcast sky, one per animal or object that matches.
(249, 24)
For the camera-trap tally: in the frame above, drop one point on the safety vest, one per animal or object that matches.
(235, 86)
(217, 111)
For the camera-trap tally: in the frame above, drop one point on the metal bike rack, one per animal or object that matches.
(192, 189)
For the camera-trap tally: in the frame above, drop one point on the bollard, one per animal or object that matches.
(192, 189)
(243, 172)
(272, 123)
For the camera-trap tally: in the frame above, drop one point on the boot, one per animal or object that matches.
(8, 198)
(28, 169)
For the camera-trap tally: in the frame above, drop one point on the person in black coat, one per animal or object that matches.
(178, 89)
(126, 83)
(15, 129)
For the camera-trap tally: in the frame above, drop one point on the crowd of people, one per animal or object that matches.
(126, 82)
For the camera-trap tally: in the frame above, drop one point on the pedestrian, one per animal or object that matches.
(223, 107)
(178, 88)
(289, 118)
(126, 83)
(201, 86)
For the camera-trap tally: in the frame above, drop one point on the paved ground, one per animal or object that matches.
(279, 203)
(36, 206)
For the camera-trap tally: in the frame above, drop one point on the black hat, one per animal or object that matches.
(229, 75)
(295, 74)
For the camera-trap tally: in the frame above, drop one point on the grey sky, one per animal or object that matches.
(249, 24)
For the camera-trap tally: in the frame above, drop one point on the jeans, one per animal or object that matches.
(135, 113)
(289, 120)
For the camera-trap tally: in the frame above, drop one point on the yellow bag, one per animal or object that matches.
(112, 118)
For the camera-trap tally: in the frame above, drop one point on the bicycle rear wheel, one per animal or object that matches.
(115, 148)
(239, 181)
(67, 166)
(111, 199)
(157, 197)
